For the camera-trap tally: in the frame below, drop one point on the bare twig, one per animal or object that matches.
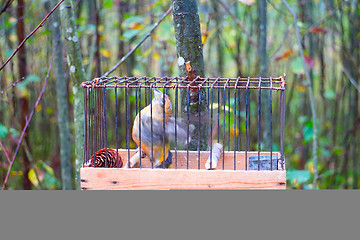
(28, 36)
(237, 21)
(6, 154)
(29, 119)
(142, 40)
(330, 14)
(6, 6)
(352, 80)
(12, 85)
(311, 96)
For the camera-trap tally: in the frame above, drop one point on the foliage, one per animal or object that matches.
(330, 37)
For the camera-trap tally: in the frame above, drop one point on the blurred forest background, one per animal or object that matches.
(240, 38)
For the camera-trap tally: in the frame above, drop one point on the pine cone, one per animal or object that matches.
(101, 159)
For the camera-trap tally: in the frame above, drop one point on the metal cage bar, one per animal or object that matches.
(234, 105)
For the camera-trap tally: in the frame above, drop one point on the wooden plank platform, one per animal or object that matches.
(182, 178)
(167, 179)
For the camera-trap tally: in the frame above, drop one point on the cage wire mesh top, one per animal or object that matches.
(200, 123)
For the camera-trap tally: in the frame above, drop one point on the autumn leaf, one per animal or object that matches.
(106, 53)
(309, 61)
(284, 56)
(318, 30)
(135, 25)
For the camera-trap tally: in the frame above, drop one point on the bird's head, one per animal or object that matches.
(159, 98)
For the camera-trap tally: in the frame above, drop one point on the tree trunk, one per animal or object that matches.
(189, 46)
(77, 75)
(24, 102)
(62, 106)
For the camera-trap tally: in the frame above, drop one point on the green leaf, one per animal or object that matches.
(329, 94)
(3, 131)
(108, 4)
(45, 32)
(14, 132)
(308, 131)
(164, 31)
(8, 53)
(129, 34)
(30, 78)
(133, 19)
(297, 66)
(298, 176)
(337, 151)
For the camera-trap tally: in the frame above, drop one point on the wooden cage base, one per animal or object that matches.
(180, 178)
(167, 179)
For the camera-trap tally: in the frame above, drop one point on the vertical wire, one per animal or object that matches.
(224, 116)
(127, 121)
(235, 91)
(229, 119)
(188, 122)
(218, 115)
(199, 122)
(93, 122)
(239, 118)
(145, 96)
(98, 118)
(235, 127)
(105, 128)
(85, 125)
(282, 126)
(247, 107)
(259, 126)
(116, 128)
(208, 100)
(89, 124)
(140, 125)
(151, 122)
(136, 102)
(140, 134)
(176, 113)
(151, 127)
(211, 124)
(163, 108)
(271, 134)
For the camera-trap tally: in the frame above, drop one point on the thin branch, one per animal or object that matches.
(6, 6)
(30, 117)
(6, 154)
(352, 80)
(237, 21)
(330, 14)
(142, 40)
(12, 85)
(28, 36)
(280, 45)
(311, 96)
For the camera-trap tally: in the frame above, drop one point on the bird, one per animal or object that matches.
(162, 157)
(110, 160)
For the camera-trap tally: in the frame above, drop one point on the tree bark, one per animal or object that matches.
(24, 102)
(189, 46)
(77, 75)
(62, 106)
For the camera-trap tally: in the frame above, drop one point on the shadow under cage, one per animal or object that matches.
(183, 133)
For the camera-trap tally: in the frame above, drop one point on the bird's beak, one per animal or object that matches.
(157, 94)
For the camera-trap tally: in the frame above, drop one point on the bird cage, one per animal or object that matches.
(184, 133)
